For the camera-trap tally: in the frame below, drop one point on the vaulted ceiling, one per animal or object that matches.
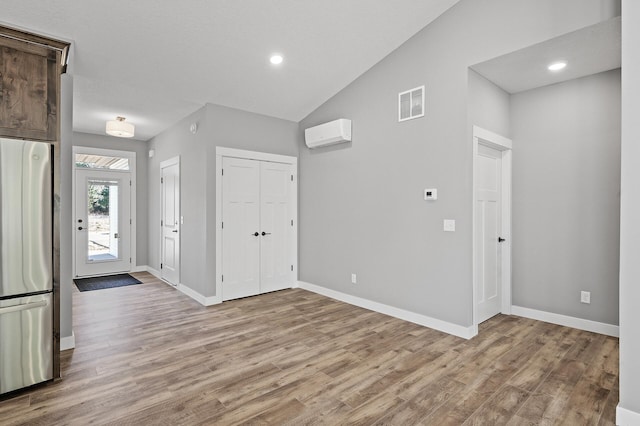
(155, 62)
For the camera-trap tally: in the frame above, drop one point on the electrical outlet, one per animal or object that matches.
(585, 297)
(354, 279)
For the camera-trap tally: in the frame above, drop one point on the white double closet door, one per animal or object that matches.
(258, 238)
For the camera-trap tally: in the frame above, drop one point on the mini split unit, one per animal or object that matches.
(330, 133)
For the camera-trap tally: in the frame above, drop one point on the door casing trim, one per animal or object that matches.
(487, 138)
(167, 163)
(250, 155)
(131, 155)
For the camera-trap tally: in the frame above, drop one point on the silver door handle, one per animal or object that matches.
(24, 307)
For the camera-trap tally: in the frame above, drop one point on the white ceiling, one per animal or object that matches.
(155, 61)
(587, 51)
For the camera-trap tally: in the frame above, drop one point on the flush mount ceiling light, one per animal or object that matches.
(557, 66)
(276, 59)
(119, 128)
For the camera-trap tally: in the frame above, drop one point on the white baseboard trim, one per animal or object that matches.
(567, 321)
(153, 272)
(146, 268)
(68, 342)
(626, 417)
(444, 326)
(203, 300)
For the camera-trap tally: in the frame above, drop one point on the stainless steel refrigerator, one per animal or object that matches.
(26, 278)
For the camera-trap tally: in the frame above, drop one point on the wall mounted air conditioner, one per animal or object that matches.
(330, 133)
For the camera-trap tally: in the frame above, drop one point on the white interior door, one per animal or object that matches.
(488, 194)
(170, 221)
(276, 226)
(103, 222)
(240, 228)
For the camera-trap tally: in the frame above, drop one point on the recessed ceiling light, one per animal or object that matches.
(276, 59)
(557, 66)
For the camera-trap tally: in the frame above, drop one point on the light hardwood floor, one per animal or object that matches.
(148, 355)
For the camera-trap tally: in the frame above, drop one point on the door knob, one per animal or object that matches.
(175, 230)
(80, 228)
(500, 239)
(255, 234)
(265, 233)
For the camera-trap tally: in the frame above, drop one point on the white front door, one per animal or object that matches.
(241, 231)
(258, 236)
(103, 222)
(170, 221)
(276, 227)
(488, 198)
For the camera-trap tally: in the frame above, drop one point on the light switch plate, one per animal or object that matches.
(449, 225)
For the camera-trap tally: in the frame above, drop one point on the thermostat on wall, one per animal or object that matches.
(431, 194)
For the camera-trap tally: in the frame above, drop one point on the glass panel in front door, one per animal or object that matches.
(102, 209)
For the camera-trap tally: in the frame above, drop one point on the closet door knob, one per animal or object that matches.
(255, 234)
(265, 233)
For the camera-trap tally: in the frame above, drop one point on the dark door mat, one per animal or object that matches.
(99, 283)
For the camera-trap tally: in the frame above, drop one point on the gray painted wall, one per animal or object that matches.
(140, 148)
(178, 141)
(630, 211)
(241, 130)
(566, 197)
(218, 126)
(361, 204)
(489, 106)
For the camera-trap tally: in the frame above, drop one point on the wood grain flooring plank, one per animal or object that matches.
(609, 412)
(586, 404)
(500, 408)
(279, 413)
(603, 368)
(373, 409)
(403, 368)
(14, 405)
(319, 412)
(148, 355)
(424, 403)
(545, 361)
(550, 400)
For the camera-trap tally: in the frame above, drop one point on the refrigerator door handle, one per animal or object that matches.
(24, 307)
